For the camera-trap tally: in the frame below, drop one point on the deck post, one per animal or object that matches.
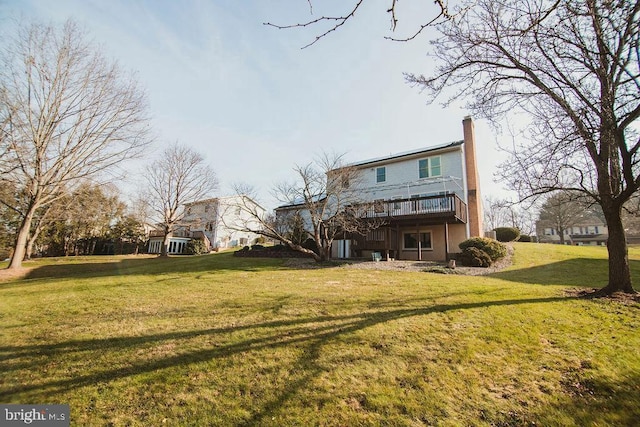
(387, 241)
(398, 238)
(419, 242)
(446, 241)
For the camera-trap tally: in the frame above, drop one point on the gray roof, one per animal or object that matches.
(412, 153)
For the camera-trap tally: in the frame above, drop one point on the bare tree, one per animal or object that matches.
(66, 114)
(180, 175)
(561, 212)
(495, 213)
(324, 202)
(506, 213)
(573, 68)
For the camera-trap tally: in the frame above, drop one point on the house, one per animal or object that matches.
(589, 230)
(218, 222)
(428, 201)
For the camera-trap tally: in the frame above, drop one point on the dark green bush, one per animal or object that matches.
(474, 257)
(257, 247)
(507, 234)
(195, 247)
(525, 238)
(491, 247)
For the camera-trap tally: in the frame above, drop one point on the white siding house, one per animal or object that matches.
(221, 219)
(217, 221)
(428, 198)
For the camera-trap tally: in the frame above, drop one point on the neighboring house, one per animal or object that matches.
(429, 199)
(217, 221)
(589, 231)
(177, 241)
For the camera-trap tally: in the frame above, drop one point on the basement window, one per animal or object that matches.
(410, 240)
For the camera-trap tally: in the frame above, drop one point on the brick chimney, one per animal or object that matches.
(474, 198)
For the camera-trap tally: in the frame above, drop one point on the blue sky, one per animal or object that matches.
(254, 103)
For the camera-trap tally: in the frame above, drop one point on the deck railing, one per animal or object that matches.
(449, 205)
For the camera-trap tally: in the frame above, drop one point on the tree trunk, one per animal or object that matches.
(164, 250)
(619, 272)
(21, 240)
(29, 249)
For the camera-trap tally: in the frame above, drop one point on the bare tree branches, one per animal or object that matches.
(180, 175)
(66, 114)
(573, 69)
(338, 21)
(319, 205)
(335, 22)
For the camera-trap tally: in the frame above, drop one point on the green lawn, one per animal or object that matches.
(215, 340)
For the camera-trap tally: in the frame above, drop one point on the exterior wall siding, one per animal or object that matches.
(403, 180)
(457, 234)
(407, 202)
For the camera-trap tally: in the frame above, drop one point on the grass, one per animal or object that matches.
(215, 340)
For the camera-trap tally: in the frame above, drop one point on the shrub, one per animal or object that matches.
(474, 257)
(507, 234)
(257, 247)
(195, 247)
(260, 240)
(491, 247)
(525, 238)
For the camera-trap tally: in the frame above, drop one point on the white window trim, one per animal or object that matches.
(428, 159)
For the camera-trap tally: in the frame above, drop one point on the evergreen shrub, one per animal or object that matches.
(507, 234)
(491, 247)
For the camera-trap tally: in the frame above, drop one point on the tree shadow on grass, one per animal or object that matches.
(581, 272)
(310, 334)
(590, 400)
(93, 267)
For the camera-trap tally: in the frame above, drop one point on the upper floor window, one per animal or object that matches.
(381, 174)
(429, 167)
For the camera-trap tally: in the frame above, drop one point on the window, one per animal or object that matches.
(381, 174)
(411, 240)
(429, 167)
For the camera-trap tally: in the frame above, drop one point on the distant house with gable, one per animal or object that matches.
(218, 222)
